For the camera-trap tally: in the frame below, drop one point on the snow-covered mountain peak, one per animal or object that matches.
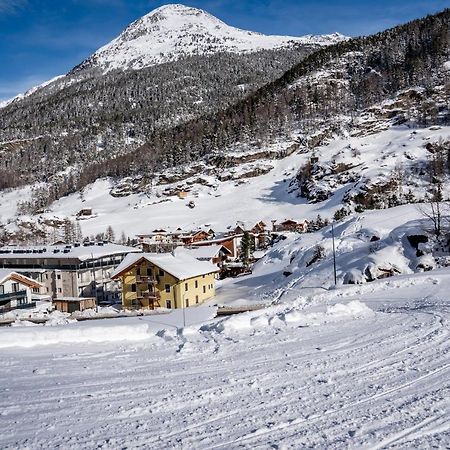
(174, 31)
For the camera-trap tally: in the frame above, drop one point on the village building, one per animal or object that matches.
(84, 212)
(258, 231)
(166, 239)
(215, 254)
(231, 242)
(291, 225)
(79, 270)
(74, 304)
(152, 280)
(17, 290)
(197, 236)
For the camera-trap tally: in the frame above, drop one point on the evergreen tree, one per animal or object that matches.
(69, 231)
(247, 247)
(78, 233)
(109, 234)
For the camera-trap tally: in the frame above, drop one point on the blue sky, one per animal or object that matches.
(45, 38)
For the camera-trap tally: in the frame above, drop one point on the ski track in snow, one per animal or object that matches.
(377, 382)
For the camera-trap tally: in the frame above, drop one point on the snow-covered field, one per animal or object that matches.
(355, 367)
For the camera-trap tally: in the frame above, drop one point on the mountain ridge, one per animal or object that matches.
(174, 31)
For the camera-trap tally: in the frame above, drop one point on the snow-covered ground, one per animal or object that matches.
(266, 197)
(355, 367)
(351, 366)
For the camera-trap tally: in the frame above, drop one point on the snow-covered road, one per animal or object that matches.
(262, 380)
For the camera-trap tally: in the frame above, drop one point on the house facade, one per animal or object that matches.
(165, 280)
(291, 225)
(16, 290)
(216, 254)
(70, 270)
(73, 304)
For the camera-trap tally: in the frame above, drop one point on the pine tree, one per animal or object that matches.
(247, 248)
(69, 231)
(78, 233)
(109, 234)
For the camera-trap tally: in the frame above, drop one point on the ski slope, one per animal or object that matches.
(356, 367)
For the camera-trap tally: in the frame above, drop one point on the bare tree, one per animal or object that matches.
(433, 209)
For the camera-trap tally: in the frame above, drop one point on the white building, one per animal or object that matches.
(79, 270)
(16, 290)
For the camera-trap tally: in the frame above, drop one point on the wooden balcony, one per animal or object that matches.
(155, 295)
(146, 279)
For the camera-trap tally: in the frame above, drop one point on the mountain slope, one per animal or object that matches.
(94, 113)
(175, 31)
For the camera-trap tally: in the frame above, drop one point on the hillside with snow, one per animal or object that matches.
(265, 189)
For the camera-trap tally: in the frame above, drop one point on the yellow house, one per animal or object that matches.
(152, 280)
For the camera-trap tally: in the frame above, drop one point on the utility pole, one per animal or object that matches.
(183, 307)
(95, 282)
(334, 254)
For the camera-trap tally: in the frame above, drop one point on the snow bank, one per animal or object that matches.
(279, 316)
(71, 334)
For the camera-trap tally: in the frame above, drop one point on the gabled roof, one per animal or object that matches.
(182, 266)
(8, 274)
(203, 252)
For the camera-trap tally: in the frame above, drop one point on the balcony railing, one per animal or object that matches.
(4, 309)
(13, 295)
(146, 279)
(148, 294)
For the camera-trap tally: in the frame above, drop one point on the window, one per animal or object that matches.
(203, 276)
(138, 271)
(167, 286)
(58, 276)
(187, 303)
(46, 276)
(186, 287)
(15, 287)
(196, 299)
(59, 290)
(204, 289)
(133, 288)
(196, 283)
(2, 289)
(149, 271)
(169, 304)
(161, 272)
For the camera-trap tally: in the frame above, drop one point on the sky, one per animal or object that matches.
(41, 39)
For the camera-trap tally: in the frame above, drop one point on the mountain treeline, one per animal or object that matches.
(88, 117)
(331, 82)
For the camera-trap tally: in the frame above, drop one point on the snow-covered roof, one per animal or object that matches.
(203, 252)
(6, 274)
(73, 299)
(182, 266)
(81, 252)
